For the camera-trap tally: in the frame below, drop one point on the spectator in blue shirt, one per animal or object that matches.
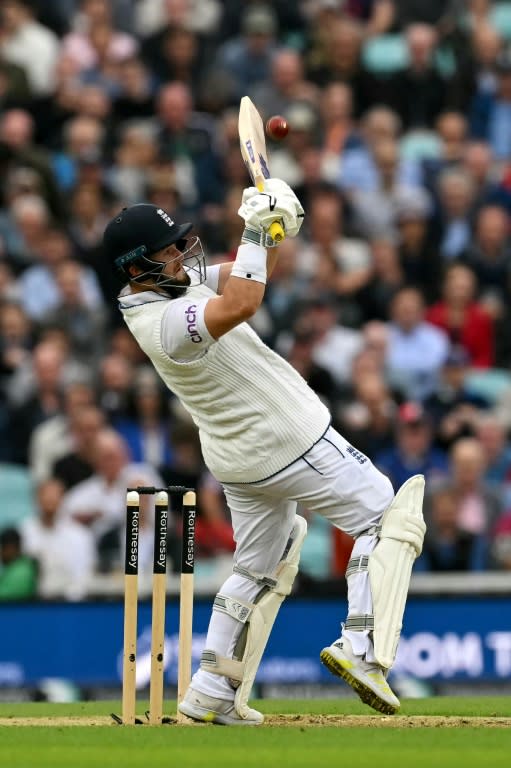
(413, 452)
(490, 117)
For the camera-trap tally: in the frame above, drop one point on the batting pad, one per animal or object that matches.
(390, 566)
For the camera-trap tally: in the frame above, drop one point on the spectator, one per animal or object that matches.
(416, 349)
(84, 325)
(331, 260)
(63, 549)
(40, 285)
(478, 505)
(287, 159)
(489, 257)
(358, 168)
(248, 58)
(52, 438)
(39, 405)
(85, 423)
(419, 93)
(285, 87)
(146, 427)
(16, 341)
(447, 546)
(387, 278)
(492, 435)
(491, 112)
(99, 502)
(465, 320)
(29, 44)
(186, 139)
(414, 452)
(96, 19)
(368, 420)
(456, 194)
(334, 344)
(18, 572)
(418, 255)
(453, 408)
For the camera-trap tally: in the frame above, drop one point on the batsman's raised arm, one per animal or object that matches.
(242, 284)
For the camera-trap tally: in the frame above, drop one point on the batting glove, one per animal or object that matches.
(277, 202)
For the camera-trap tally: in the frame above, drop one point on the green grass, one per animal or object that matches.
(299, 747)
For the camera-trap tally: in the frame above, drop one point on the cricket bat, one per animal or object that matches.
(253, 152)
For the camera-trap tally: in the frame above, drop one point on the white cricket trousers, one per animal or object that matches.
(332, 479)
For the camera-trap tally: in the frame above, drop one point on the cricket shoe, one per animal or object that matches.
(200, 706)
(366, 678)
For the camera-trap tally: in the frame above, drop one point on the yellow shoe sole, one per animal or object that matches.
(367, 695)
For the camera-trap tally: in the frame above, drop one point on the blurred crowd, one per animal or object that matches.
(394, 303)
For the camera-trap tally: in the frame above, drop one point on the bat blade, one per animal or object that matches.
(253, 152)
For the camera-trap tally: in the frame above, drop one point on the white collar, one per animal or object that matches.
(129, 299)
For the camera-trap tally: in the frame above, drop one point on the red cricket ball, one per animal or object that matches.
(277, 127)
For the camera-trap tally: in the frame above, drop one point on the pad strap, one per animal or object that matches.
(357, 565)
(234, 607)
(258, 578)
(360, 623)
(221, 665)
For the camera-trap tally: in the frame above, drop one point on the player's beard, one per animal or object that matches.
(177, 287)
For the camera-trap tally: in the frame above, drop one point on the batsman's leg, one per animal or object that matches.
(378, 576)
(266, 562)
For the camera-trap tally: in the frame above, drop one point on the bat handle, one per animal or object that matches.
(276, 232)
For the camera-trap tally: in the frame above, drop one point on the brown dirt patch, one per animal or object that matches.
(296, 721)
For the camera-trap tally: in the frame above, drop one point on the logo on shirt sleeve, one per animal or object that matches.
(191, 323)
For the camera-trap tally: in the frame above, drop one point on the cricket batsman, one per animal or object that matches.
(267, 438)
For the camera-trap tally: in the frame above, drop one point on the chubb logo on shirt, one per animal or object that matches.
(191, 324)
(165, 217)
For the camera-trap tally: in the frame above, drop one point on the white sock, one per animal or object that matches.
(360, 600)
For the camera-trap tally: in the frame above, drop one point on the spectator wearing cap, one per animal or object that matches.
(416, 349)
(414, 452)
(453, 407)
(490, 117)
(29, 44)
(248, 57)
(463, 318)
(447, 547)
